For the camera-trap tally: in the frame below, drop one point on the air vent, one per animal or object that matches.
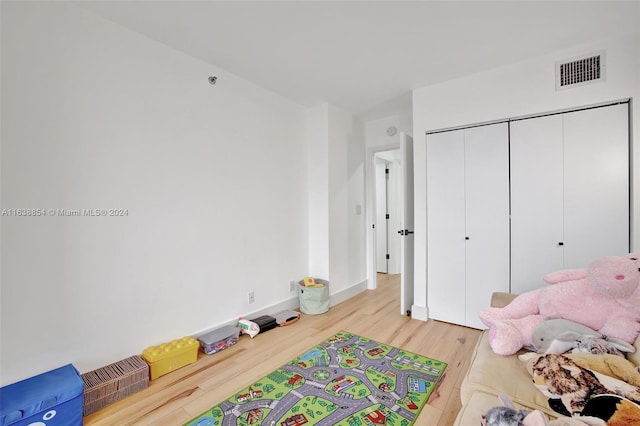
(580, 71)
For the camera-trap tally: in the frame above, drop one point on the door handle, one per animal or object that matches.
(405, 232)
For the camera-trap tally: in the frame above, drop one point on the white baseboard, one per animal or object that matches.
(347, 293)
(420, 312)
(291, 303)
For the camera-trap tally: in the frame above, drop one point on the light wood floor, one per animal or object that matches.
(186, 393)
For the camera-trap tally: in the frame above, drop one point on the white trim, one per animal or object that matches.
(419, 313)
(536, 115)
(292, 303)
(347, 293)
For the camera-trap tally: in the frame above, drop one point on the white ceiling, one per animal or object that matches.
(360, 54)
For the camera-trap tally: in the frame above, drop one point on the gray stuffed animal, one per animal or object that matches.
(558, 335)
(504, 416)
(509, 415)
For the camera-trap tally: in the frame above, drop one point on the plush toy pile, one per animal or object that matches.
(580, 326)
(605, 297)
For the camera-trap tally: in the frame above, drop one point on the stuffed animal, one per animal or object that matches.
(570, 386)
(602, 346)
(509, 415)
(558, 335)
(504, 416)
(616, 410)
(605, 298)
(607, 365)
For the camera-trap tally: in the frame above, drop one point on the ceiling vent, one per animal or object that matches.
(580, 71)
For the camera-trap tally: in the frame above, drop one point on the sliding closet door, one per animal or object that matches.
(596, 180)
(536, 201)
(487, 217)
(446, 226)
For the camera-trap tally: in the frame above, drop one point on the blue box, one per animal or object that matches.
(54, 398)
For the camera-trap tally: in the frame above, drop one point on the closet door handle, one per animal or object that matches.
(466, 238)
(560, 243)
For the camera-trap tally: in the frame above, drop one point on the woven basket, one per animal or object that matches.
(114, 382)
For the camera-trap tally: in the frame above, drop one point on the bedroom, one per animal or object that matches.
(230, 188)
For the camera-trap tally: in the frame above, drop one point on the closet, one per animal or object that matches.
(569, 191)
(468, 221)
(508, 203)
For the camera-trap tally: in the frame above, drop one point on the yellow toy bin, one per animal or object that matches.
(168, 357)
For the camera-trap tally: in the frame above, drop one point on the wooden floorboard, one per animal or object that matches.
(181, 395)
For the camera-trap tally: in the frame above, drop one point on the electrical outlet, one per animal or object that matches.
(292, 286)
(252, 297)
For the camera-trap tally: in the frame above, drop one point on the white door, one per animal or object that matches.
(536, 201)
(569, 192)
(446, 226)
(406, 247)
(486, 217)
(596, 180)
(467, 221)
(381, 215)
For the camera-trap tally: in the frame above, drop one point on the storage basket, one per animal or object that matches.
(114, 382)
(314, 300)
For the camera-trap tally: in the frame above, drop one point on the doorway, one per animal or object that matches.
(388, 209)
(390, 216)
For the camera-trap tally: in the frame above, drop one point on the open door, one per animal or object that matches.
(382, 225)
(406, 252)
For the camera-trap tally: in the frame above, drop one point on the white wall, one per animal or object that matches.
(336, 197)
(318, 207)
(347, 249)
(520, 89)
(213, 178)
(376, 130)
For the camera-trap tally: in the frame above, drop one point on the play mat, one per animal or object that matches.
(347, 380)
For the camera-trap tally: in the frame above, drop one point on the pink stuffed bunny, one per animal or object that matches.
(604, 297)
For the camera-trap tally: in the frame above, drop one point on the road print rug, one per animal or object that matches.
(347, 380)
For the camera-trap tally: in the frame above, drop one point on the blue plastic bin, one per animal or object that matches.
(54, 398)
